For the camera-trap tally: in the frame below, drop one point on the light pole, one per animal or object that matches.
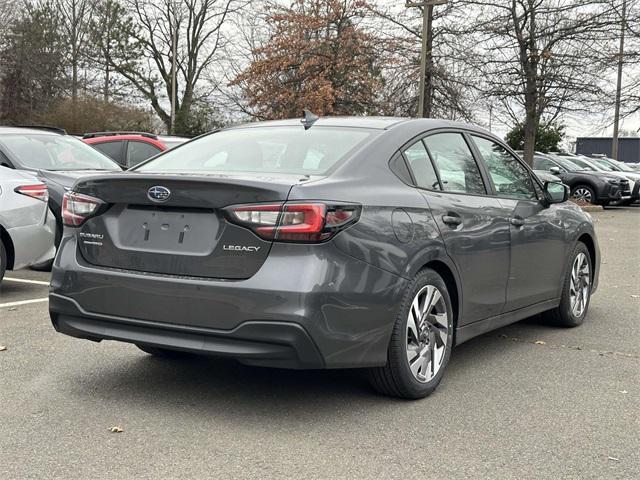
(616, 115)
(425, 53)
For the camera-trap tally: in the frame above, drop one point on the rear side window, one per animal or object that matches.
(421, 166)
(455, 163)
(140, 151)
(264, 149)
(510, 177)
(110, 149)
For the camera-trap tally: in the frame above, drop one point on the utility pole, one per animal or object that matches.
(426, 57)
(616, 115)
(174, 50)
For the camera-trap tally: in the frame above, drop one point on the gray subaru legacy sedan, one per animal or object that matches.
(323, 243)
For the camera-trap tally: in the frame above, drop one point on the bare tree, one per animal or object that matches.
(537, 58)
(197, 26)
(75, 18)
(447, 91)
(112, 40)
(629, 61)
(33, 64)
(7, 14)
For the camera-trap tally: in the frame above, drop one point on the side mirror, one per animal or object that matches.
(554, 170)
(555, 192)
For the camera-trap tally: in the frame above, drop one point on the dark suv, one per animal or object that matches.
(586, 184)
(338, 243)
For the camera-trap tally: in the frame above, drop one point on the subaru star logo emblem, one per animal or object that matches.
(159, 194)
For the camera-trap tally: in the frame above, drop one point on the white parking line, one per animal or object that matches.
(23, 280)
(24, 302)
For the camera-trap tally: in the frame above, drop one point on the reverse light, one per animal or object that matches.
(307, 222)
(78, 208)
(37, 190)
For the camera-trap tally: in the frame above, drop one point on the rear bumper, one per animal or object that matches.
(275, 344)
(309, 306)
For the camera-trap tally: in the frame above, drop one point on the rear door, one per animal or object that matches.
(538, 246)
(473, 225)
(113, 149)
(138, 152)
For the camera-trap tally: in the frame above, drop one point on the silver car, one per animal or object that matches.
(27, 226)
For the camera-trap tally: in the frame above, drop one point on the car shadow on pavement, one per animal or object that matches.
(209, 385)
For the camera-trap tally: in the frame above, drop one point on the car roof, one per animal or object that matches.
(25, 130)
(119, 137)
(378, 123)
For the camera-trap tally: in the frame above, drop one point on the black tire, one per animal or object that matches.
(43, 267)
(3, 260)
(563, 315)
(395, 378)
(161, 352)
(588, 189)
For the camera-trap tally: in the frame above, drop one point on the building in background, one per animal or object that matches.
(628, 147)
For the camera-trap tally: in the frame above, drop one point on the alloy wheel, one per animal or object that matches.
(583, 194)
(427, 333)
(580, 284)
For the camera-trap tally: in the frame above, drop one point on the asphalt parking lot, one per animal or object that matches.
(526, 401)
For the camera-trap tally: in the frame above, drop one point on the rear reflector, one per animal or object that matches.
(307, 222)
(77, 208)
(37, 190)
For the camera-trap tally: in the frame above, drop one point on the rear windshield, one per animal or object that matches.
(263, 149)
(55, 152)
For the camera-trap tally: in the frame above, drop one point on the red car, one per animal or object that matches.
(131, 148)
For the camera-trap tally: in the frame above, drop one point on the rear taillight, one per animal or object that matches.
(37, 190)
(295, 221)
(77, 208)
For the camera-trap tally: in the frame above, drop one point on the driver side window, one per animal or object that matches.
(510, 177)
(541, 163)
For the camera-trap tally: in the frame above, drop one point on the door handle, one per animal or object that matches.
(517, 221)
(452, 220)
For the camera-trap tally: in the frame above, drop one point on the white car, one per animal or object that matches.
(27, 226)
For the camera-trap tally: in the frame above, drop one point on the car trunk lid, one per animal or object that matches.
(175, 224)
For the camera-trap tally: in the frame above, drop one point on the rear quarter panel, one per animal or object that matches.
(396, 231)
(27, 221)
